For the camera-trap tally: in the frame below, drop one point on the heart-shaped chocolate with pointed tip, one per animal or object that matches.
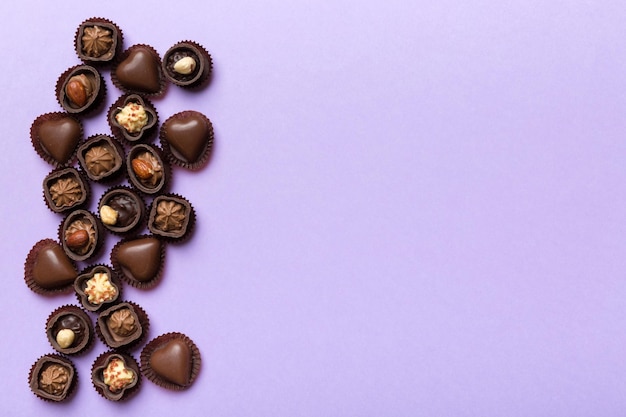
(189, 137)
(172, 362)
(140, 71)
(55, 137)
(139, 260)
(48, 267)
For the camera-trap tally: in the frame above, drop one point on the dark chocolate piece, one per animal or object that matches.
(55, 137)
(80, 89)
(47, 267)
(140, 70)
(80, 235)
(97, 287)
(123, 324)
(171, 361)
(115, 375)
(138, 260)
(171, 216)
(121, 209)
(52, 377)
(188, 136)
(101, 157)
(146, 169)
(187, 64)
(69, 330)
(132, 118)
(98, 41)
(65, 189)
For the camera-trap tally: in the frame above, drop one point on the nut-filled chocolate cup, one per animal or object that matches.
(81, 235)
(123, 325)
(187, 139)
(97, 288)
(53, 378)
(48, 270)
(55, 137)
(133, 119)
(98, 41)
(139, 260)
(147, 169)
(171, 361)
(121, 210)
(138, 70)
(69, 330)
(65, 189)
(187, 64)
(80, 89)
(172, 217)
(101, 157)
(115, 375)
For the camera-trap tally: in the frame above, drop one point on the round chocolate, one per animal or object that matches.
(139, 260)
(101, 157)
(121, 210)
(122, 325)
(171, 216)
(72, 319)
(80, 89)
(48, 268)
(146, 169)
(98, 41)
(55, 137)
(97, 287)
(133, 118)
(52, 377)
(187, 138)
(187, 64)
(80, 235)
(139, 70)
(65, 189)
(171, 360)
(115, 375)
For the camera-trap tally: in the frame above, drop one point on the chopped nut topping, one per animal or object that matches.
(99, 289)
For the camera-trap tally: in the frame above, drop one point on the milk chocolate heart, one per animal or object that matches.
(140, 71)
(139, 260)
(48, 266)
(189, 136)
(172, 362)
(55, 137)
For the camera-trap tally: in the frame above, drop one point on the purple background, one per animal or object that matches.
(413, 208)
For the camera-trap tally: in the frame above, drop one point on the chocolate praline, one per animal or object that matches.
(147, 170)
(122, 325)
(139, 71)
(187, 139)
(121, 210)
(171, 361)
(118, 383)
(80, 234)
(47, 269)
(55, 137)
(69, 330)
(98, 41)
(101, 157)
(171, 216)
(139, 260)
(65, 189)
(97, 288)
(52, 377)
(133, 118)
(187, 64)
(80, 89)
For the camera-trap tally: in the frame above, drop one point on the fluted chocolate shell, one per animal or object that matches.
(102, 295)
(123, 325)
(101, 157)
(81, 235)
(98, 41)
(74, 319)
(147, 170)
(98, 380)
(84, 96)
(65, 189)
(53, 378)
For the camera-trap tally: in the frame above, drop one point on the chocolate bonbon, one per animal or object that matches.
(139, 71)
(81, 235)
(121, 210)
(97, 41)
(171, 361)
(139, 260)
(80, 89)
(133, 118)
(97, 287)
(187, 64)
(171, 216)
(187, 138)
(101, 157)
(48, 269)
(69, 330)
(55, 137)
(52, 377)
(123, 325)
(115, 375)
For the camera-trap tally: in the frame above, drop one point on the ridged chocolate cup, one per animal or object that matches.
(143, 185)
(130, 341)
(95, 243)
(97, 378)
(170, 353)
(79, 199)
(83, 342)
(188, 132)
(55, 137)
(160, 219)
(92, 168)
(48, 270)
(147, 77)
(40, 366)
(201, 57)
(139, 261)
(80, 285)
(93, 101)
(139, 219)
(146, 133)
(114, 49)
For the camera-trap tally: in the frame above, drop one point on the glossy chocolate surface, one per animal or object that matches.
(170, 216)
(140, 70)
(138, 259)
(80, 221)
(120, 325)
(101, 157)
(94, 94)
(64, 189)
(189, 136)
(128, 206)
(56, 136)
(52, 377)
(70, 318)
(97, 41)
(49, 266)
(201, 67)
(159, 171)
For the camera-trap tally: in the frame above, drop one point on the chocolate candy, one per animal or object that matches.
(55, 137)
(171, 216)
(187, 64)
(146, 169)
(139, 71)
(52, 377)
(69, 330)
(121, 210)
(122, 325)
(97, 288)
(97, 41)
(132, 118)
(80, 89)
(65, 189)
(171, 361)
(48, 268)
(80, 234)
(101, 157)
(115, 375)
(187, 138)
(139, 260)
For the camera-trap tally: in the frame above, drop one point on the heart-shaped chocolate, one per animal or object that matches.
(189, 136)
(140, 71)
(56, 136)
(173, 362)
(49, 267)
(139, 259)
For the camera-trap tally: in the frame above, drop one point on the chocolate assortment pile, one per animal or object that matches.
(137, 208)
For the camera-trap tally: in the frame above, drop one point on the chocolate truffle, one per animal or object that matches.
(52, 378)
(139, 260)
(146, 169)
(97, 287)
(80, 89)
(80, 234)
(121, 210)
(171, 216)
(115, 375)
(65, 189)
(69, 330)
(122, 325)
(133, 118)
(187, 64)
(55, 137)
(139, 71)
(48, 269)
(101, 157)
(171, 361)
(98, 40)
(187, 139)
